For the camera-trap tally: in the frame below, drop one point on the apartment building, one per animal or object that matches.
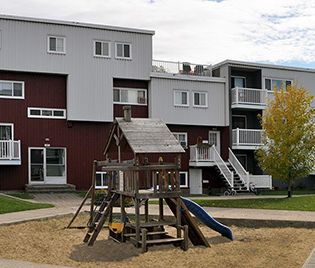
(63, 83)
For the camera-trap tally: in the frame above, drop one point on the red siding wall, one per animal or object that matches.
(84, 141)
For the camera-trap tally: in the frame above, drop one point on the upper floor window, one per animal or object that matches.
(130, 96)
(102, 49)
(123, 51)
(6, 131)
(200, 99)
(271, 84)
(48, 113)
(11, 89)
(57, 44)
(182, 138)
(181, 98)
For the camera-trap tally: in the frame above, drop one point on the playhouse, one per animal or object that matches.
(143, 160)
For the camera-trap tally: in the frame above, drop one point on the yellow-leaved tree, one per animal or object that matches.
(288, 150)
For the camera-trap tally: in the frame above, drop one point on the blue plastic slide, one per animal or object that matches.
(207, 219)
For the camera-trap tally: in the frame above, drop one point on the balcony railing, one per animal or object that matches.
(10, 150)
(185, 68)
(250, 97)
(247, 137)
(261, 181)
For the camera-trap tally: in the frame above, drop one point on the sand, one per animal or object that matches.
(49, 242)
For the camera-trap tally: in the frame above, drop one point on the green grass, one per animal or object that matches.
(285, 192)
(22, 195)
(10, 204)
(302, 203)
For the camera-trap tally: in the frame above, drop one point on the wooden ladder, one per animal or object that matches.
(100, 216)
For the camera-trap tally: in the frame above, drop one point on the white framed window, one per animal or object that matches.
(6, 131)
(56, 44)
(101, 49)
(135, 96)
(11, 89)
(49, 113)
(123, 50)
(182, 138)
(272, 83)
(181, 98)
(102, 179)
(183, 179)
(200, 99)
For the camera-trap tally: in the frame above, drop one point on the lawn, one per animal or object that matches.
(8, 204)
(302, 203)
(22, 195)
(285, 192)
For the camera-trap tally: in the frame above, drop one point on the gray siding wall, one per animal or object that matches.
(161, 97)
(23, 47)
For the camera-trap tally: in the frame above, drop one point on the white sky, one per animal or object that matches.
(199, 31)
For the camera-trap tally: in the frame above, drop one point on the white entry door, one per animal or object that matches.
(214, 138)
(47, 165)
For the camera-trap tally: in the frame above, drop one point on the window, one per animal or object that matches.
(102, 49)
(238, 81)
(56, 44)
(183, 179)
(130, 96)
(6, 131)
(102, 180)
(181, 98)
(271, 84)
(46, 113)
(200, 99)
(182, 138)
(239, 121)
(123, 51)
(11, 89)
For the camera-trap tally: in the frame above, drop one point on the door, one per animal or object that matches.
(214, 138)
(238, 81)
(47, 165)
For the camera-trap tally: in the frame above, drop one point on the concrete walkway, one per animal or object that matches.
(310, 262)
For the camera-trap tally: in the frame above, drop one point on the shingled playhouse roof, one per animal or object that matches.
(147, 135)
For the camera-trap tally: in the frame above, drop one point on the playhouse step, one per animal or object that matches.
(49, 188)
(163, 241)
(148, 233)
(151, 224)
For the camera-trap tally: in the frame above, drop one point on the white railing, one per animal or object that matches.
(225, 171)
(242, 173)
(250, 96)
(187, 68)
(200, 153)
(261, 181)
(10, 150)
(247, 137)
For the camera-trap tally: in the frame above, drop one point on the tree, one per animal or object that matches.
(288, 150)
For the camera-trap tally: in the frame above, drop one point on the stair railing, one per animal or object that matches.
(239, 169)
(225, 171)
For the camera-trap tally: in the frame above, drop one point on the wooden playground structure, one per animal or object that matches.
(136, 170)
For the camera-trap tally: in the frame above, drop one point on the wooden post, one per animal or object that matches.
(137, 215)
(161, 211)
(146, 210)
(178, 205)
(93, 190)
(144, 240)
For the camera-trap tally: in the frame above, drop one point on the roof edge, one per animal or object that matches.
(76, 24)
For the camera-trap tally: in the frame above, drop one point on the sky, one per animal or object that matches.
(198, 31)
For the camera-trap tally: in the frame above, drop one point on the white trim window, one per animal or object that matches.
(272, 83)
(134, 96)
(49, 113)
(56, 44)
(6, 131)
(123, 51)
(200, 99)
(183, 179)
(11, 89)
(181, 98)
(101, 49)
(101, 180)
(182, 138)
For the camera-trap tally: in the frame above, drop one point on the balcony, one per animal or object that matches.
(246, 139)
(10, 152)
(182, 68)
(250, 98)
